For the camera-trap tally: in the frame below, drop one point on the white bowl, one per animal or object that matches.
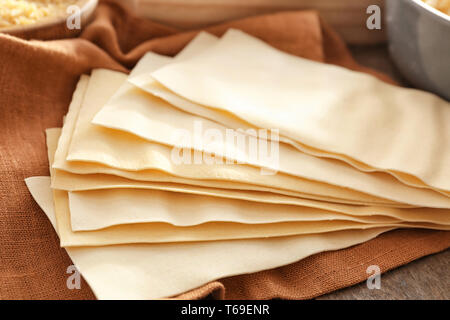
(419, 44)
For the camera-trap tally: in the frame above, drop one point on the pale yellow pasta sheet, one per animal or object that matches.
(323, 109)
(143, 206)
(151, 118)
(153, 271)
(164, 232)
(94, 149)
(93, 210)
(73, 182)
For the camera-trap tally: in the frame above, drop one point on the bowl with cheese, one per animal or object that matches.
(18, 16)
(419, 42)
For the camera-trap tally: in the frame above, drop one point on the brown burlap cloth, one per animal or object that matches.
(37, 79)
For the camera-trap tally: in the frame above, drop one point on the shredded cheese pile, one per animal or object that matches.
(442, 5)
(25, 12)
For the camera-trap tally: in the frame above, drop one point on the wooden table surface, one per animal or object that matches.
(426, 278)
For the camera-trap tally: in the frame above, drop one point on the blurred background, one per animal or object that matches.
(348, 17)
